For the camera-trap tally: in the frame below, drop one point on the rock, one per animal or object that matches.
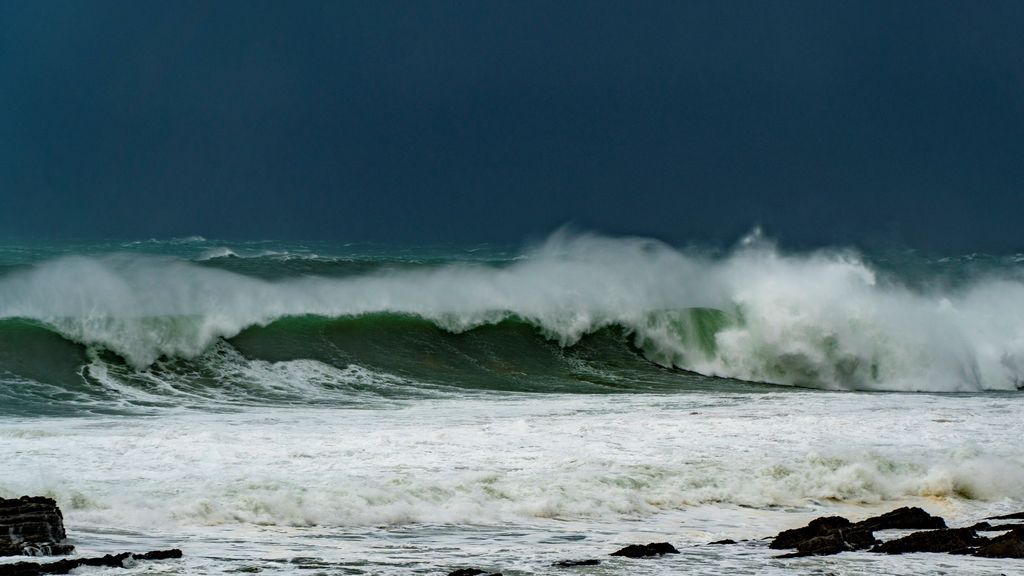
(32, 526)
(834, 534)
(646, 550)
(573, 563)
(834, 542)
(472, 572)
(854, 538)
(34, 568)
(721, 542)
(815, 528)
(1006, 546)
(1014, 516)
(65, 566)
(159, 555)
(903, 519)
(944, 540)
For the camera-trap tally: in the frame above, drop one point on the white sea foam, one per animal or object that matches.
(822, 319)
(468, 461)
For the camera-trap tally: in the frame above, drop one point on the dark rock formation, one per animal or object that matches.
(32, 526)
(944, 540)
(646, 550)
(903, 519)
(816, 528)
(1009, 545)
(471, 572)
(65, 566)
(720, 542)
(1014, 516)
(835, 534)
(159, 555)
(573, 563)
(834, 542)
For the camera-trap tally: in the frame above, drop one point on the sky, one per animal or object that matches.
(824, 123)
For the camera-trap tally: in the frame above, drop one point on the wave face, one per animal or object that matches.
(575, 313)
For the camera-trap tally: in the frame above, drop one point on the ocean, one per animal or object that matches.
(316, 408)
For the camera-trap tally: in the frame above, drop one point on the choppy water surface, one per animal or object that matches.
(357, 409)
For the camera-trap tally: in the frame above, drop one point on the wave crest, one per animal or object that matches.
(823, 319)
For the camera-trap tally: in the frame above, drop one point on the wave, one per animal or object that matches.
(371, 361)
(220, 252)
(825, 319)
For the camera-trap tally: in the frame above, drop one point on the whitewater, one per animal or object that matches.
(361, 409)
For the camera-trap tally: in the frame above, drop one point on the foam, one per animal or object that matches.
(472, 461)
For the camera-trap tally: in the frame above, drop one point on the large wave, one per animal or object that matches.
(822, 319)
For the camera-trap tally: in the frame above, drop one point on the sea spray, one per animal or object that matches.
(824, 319)
(298, 407)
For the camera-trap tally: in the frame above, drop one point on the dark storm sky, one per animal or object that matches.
(824, 122)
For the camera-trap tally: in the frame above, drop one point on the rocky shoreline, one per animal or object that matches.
(34, 526)
(835, 534)
(830, 535)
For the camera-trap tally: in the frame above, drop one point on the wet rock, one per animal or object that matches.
(814, 529)
(905, 518)
(1014, 516)
(34, 568)
(834, 534)
(986, 527)
(944, 540)
(32, 526)
(472, 572)
(855, 538)
(159, 555)
(721, 542)
(65, 566)
(1006, 546)
(834, 542)
(646, 550)
(574, 563)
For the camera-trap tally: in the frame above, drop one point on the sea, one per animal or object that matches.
(347, 409)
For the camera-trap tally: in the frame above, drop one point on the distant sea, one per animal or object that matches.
(325, 408)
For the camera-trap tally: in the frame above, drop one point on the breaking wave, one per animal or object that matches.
(825, 319)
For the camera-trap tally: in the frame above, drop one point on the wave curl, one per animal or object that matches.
(823, 319)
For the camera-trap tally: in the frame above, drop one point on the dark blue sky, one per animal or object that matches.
(824, 122)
